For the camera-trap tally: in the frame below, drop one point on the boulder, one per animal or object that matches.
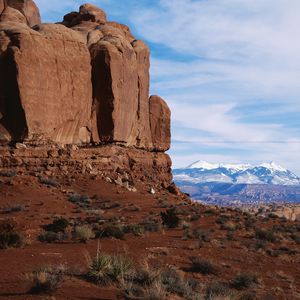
(160, 116)
(89, 12)
(45, 84)
(12, 15)
(29, 9)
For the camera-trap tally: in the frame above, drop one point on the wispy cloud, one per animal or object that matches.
(229, 69)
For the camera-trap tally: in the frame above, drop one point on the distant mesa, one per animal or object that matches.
(84, 80)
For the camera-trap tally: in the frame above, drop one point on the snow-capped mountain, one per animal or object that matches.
(266, 173)
(231, 184)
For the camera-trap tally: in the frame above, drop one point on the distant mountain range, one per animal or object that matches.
(226, 184)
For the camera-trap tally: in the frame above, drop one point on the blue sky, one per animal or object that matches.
(229, 70)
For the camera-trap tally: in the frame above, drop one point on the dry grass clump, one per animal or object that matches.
(45, 280)
(83, 233)
(105, 268)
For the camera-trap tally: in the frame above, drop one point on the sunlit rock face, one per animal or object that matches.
(84, 80)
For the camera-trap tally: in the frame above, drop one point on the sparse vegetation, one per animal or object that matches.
(45, 280)
(49, 181)
(9, 237)
(170, 218)
(83, 233)
(115, 231)
(244, 281)
(52, 237)
(13, 208)
(82, 201)
(59, 225)
(202, 266)
(265, 235)
(8, 174)
(105, 268)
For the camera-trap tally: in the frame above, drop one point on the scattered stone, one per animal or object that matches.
(152, 191)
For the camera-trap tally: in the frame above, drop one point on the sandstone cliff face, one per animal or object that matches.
(48, 84)
(86, 80)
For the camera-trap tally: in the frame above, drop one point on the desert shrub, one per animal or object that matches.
(265, 235)
(59, 225)
(9, 237)
(210, 212)
(52, 237)
(195, 217)
(135, 229)
(296, 238)
(83, 233)
(105, 268)
(230, 226)
(122, 267)
(14, 208)
(244, 281)
(131, 291)
(115, 231)
(185, 225)
(109, 205)
(201, 234)
(222, 219)
(146, 275)
(48, 181)
(82, 201)
(45, 280)
(8, 173)
(230, 235)
(249, 223)
(174, 283)
(202, 266)
(260, 245)
(170, 218)
(151, 226)
(163, 203)
(218, 290)
(251, 295)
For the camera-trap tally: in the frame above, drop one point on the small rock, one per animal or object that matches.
(20, 146)
(152, 191)
(107, 179)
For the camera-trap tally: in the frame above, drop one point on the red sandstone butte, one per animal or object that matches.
(84, 80)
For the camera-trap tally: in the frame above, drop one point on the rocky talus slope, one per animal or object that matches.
(83, 82)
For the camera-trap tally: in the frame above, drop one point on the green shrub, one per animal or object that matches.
(170, 218)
